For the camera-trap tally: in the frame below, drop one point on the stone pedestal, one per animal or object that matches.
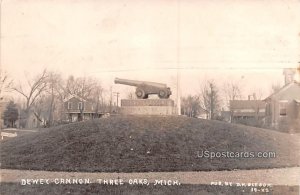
(148, 107)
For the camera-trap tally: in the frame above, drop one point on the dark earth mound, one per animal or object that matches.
(136, 144)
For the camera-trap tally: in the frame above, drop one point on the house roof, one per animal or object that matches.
(74, 96)
(246, 104)
(297, 101)
(282, 89)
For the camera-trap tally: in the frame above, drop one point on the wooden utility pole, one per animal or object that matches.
(117, 94)
(110, 102)
(178, 60)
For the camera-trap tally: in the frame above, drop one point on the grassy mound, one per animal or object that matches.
(134, 144)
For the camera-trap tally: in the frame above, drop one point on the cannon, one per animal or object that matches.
(145, 88)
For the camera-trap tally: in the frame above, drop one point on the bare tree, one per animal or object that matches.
(97, 94)
(5, 83)
(81, 86)
(190, 106)
(40, 109)
(131, 95)
(56, 94)
(275, 87)
(209, 99)
(232, 91)
(258, 106)
(259, 94)
(61, 93)
(35, 87)
(84, 87)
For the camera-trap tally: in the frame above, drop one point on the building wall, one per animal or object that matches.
(148, 107)
(87, 106)
(73, 117)
(75, 114)
(287, 96)
(148, 110)
(248, 112)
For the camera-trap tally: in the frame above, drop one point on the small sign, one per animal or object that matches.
(5, 134)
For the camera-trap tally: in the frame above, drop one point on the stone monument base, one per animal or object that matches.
(148, 107)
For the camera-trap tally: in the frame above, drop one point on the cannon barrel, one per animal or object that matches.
(137, 83)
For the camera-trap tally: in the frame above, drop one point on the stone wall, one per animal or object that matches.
(148, 107)
(147, 102)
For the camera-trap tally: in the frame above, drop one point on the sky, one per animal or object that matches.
(248, 42)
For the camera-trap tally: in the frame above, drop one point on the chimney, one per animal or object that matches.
(289, 74)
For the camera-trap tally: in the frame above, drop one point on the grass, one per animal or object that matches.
(141, 144)
(12, 188)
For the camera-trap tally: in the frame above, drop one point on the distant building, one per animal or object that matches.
(282, 108)
(78, 109)
(248, 112)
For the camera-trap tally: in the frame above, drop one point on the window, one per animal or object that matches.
(69, 105)
(80, 105)
(282, 108)
(246, 110)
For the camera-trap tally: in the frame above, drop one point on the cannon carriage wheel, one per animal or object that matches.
(140, 93)
(163, 94)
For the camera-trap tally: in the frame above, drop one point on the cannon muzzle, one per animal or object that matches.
(127, 82)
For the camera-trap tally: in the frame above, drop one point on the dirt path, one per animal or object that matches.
(283, 176)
